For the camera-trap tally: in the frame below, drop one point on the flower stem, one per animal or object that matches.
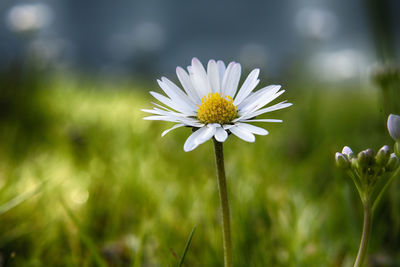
(378, 198)
(362, 251)
(223, 194)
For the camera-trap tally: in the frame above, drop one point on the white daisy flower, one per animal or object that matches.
(212, 104)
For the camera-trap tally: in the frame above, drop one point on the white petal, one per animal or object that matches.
(176, 94)
(280, 105)
(231, 80)
(225, 78)
(172, 118)
(178, 119)
(199, 78)
(260, 98)
(160, 106)
(228, 126)
(198, 137)
(160, 118)
(253, 129)
(170, 112)
(262, 120)
(175, 90)
(255, 96)
(221, 69)
(190, 70)
(174, 105)
(158, 111)
(243, 134)
(184, 79)
(172, 128)
(265, 100)
(152, 111)
(213, 127)
(213, 76)
(220, 134)
(248, 86)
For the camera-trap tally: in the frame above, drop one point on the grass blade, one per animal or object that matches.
(85, 238)
(187, 246)
(20, 198)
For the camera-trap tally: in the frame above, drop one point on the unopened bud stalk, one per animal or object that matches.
(382, 157)
(393, 163)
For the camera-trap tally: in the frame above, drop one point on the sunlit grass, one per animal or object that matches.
(136, 196)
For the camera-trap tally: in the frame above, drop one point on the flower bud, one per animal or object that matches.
(370, 156)
(393, 125)
(382, 156)
(342, 161)
(366, 158)
(393, 163)
(348, 152)
(362, 159)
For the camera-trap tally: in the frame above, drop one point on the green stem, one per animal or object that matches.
(362, 251)
(357, 184)
(378, 198)
(223, 194)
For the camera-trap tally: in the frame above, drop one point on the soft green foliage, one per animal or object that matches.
(107, 184)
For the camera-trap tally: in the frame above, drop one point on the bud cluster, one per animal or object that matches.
(367, 165)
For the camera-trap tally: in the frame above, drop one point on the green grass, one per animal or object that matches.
(95, 183)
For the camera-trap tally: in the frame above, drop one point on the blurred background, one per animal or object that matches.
(84, 181)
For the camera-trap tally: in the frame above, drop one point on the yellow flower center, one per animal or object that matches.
(215, 108)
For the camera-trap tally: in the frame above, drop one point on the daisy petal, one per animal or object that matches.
(268, 99)
(243, 134)
(158, 111)
(160, 106)
(170, 116)
(172, 128)
(184, 79)
(198, 137)
(262, 96)
(175, 93)
(249, 84)
(160, 118)
(228, 126)
(280, 105)
(199, 78)
(190, 70)
(231, 79)
(177, 90)
(213, 76)
(168, 102)
(221, 69)
(220, 134)
(253, 129)
(263, 120)
(225, 78)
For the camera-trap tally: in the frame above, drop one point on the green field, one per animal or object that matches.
(84, 181)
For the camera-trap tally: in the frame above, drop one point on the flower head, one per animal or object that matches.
(212, 104)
